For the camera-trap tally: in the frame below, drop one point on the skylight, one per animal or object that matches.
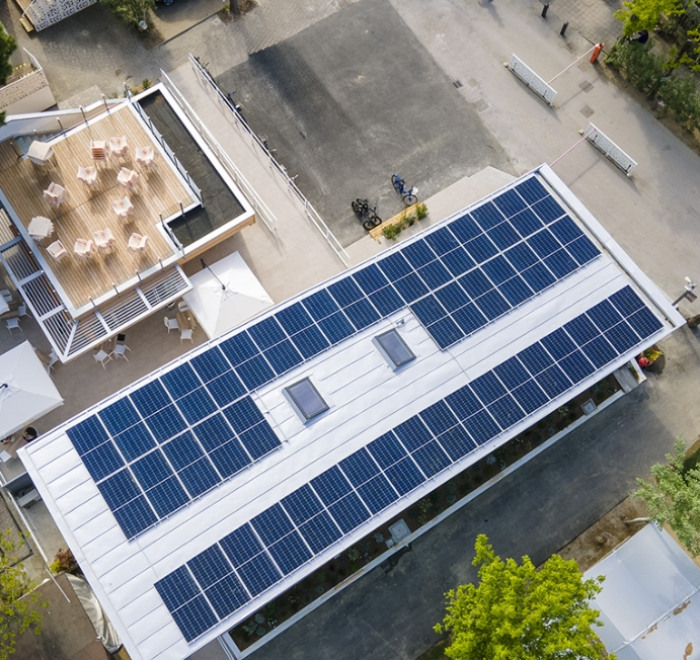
(393, 349)
(305, 399)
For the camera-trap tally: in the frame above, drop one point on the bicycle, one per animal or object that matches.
(408, 195)
(366, 213)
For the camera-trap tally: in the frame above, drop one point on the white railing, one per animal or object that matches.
(166, 148)
(210, 84)
(538, 85)
(261, 209)
(609, 149)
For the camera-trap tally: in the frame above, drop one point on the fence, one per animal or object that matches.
(210, 84)
(262, 211)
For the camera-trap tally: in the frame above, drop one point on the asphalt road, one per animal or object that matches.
(351, 100)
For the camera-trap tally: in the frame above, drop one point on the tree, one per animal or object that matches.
(8, 45)
(517, 611)
(16, 598)
(133, 12)
(673, 497)
(640, 15)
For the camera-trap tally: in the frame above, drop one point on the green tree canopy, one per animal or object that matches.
(646, 14)
(673, 497)
(16, 599)
(8, 45)
(518, 612)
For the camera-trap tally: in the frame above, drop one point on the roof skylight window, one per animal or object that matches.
(393, 349)
(305, 399)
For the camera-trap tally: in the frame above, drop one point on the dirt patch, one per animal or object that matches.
(606, 534)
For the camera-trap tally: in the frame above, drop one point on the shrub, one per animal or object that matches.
(681, 96)
(638, 64)
(421, 211)
(64, 562)
(391, 231)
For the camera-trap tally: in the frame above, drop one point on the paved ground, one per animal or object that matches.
(352, 99)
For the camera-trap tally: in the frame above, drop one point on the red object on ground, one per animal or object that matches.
(643, 361)
(596, 52)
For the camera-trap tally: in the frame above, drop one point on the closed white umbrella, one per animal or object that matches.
(225, 294)
(26, 390)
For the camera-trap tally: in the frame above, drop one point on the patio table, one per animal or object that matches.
(40, 227)
(39, 152)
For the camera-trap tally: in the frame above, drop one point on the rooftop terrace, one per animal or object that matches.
(159, 193)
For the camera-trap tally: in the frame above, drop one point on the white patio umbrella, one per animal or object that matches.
(26, 390)
(225, 294)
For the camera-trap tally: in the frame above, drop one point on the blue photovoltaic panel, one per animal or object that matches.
(456, 278)
(258, 574)
(194, 618)
(290, 552)
(320, 531)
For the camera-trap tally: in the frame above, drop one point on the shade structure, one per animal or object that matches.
(222, 304)
(26, 390)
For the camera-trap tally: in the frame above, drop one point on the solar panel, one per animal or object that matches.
(377, 493)
(180, 434)
(258, 574)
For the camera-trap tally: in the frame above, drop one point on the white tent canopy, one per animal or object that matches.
(26, 390)
(225, 294)
(650, 602)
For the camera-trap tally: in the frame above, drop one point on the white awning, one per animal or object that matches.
(26, 390)
(225, 294)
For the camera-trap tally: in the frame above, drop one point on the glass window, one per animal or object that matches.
(305, 399)
(393, 348)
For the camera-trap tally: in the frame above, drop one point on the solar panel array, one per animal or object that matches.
(173, 439)
(153, 450)
(275, 543)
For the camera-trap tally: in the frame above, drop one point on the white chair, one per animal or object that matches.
(88, 175)
(53, 358)
(171, 324)
(83, 248)
(186, 334)
(182, 306)
(7, 295)
(137, 243)
(104, 239)
(127, 178)
(118, 147)
(57, 251)
(123, 208)
(146, 158)
(55, 194)
(22, 310)
(12, 324)
(120, 351)
(102, 357)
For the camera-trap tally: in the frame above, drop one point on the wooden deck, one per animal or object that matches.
(159, 191)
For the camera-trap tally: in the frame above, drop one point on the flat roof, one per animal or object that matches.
(198, 494)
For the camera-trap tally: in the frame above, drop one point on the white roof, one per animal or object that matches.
(26, 389)
(649, 605)
(366, 398)
(226, 294)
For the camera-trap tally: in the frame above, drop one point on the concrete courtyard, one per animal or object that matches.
(395, 63)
